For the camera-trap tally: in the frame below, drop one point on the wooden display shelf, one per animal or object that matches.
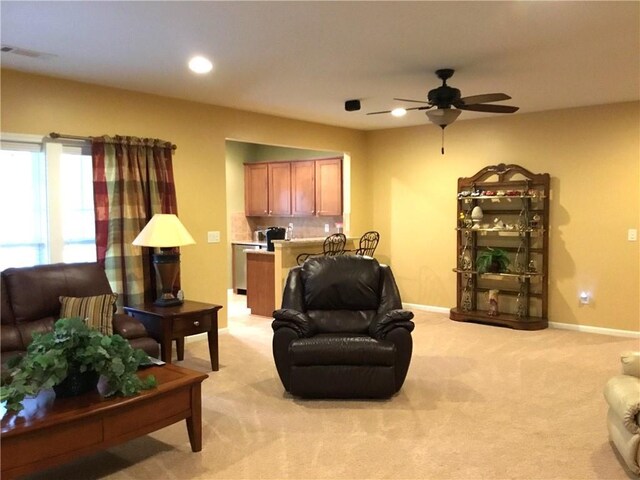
(528, 246)
(505, 319)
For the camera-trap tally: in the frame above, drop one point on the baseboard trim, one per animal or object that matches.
(560, 326)
(599, 330)
(426, 308)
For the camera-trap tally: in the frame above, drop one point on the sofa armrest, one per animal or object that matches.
(622, 393)
(630, 363)
(295, 320)
(387, 321)
(128, 327)
(10, 338)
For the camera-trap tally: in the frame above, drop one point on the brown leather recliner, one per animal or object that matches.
(341, 331)
(30, 303)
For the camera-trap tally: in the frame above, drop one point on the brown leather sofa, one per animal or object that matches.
(30, 303)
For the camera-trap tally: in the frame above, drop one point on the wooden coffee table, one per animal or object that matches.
(52, 431)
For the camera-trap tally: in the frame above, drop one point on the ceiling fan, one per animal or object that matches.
(449, 102)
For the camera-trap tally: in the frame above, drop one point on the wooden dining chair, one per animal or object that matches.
(368, 243)
(333, 245)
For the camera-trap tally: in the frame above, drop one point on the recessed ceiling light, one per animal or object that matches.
(398, 112)
(200, 65)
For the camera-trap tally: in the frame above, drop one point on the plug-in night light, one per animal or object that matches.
(584, 298)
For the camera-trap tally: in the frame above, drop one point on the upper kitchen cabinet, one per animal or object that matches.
(303, 187)
(328, 187)
(279, 188)
(267, 189)
(256, 190)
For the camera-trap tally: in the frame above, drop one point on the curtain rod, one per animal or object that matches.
(55, 135)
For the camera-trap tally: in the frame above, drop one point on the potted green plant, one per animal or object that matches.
(492, 260)
(74, 356)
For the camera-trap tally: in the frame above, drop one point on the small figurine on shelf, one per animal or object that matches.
(535, 221)
(493, 303)
(532, 266)
(477, 215)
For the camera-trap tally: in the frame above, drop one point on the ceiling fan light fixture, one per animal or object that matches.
(399, 112)
(443, 116)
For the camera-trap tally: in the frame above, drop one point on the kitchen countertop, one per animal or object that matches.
(259, 252)
(249, 243)
(300, 242)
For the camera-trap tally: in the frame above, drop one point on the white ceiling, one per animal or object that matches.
(304, 59)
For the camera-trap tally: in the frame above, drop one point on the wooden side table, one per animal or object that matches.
(166, 324)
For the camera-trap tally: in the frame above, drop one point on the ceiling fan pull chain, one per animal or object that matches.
(442, 148)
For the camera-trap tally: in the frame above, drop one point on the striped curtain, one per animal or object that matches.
(132, 181)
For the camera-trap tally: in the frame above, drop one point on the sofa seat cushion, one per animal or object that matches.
(96, 310)
(342, 349)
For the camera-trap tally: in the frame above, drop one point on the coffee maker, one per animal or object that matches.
(274, 233)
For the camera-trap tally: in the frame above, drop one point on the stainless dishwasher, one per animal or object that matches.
(240, 266)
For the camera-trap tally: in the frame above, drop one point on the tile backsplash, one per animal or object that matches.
(242, 227)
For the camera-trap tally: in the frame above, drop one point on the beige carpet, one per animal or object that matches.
(479, 402)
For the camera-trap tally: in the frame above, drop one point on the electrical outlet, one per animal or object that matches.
(326, 228)
(213, 237)
(632, 235)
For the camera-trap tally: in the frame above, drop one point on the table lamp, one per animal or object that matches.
(164, 231)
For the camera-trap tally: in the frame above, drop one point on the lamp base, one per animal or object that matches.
(167, 265)
(168, 302)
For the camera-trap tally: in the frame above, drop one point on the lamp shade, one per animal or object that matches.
(443, 116)
(164, 231)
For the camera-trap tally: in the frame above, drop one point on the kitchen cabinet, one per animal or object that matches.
(256, 189)
(260, 283)
(279, 188)
(503, 207)
(299, 188)
(303, 188)
(328, 187)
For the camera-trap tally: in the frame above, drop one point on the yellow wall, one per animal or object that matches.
(34, 104)
(593, 157)
(400, 184)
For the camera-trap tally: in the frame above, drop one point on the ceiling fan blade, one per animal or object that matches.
(489, 108)
(377, 113)
(409, 100)
(426, 107)
(484, 98)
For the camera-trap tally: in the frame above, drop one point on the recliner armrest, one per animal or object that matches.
(295, 320)
(387, 321)
(622, 393)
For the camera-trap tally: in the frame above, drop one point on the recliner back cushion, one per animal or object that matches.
(34, 292)
(345, 282)
(342, 321)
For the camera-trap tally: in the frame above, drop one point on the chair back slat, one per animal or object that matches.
(368, 243)
(334, 244)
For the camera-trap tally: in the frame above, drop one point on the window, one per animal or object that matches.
(46, 203)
